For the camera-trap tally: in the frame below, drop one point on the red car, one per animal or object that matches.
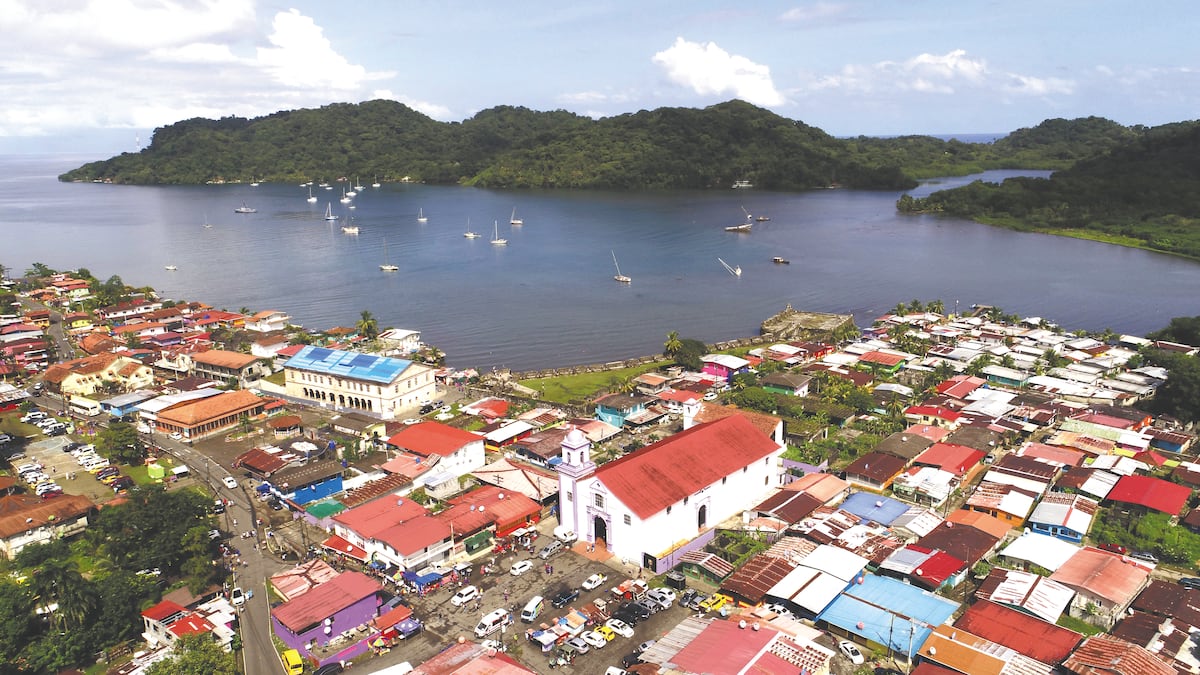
(1113, 548)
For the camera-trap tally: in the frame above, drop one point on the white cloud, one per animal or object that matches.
(303, 58)
(709, 70)
(941, 74)
(818, 12)
(196, 52)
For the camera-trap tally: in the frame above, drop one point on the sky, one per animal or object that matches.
(97, 77)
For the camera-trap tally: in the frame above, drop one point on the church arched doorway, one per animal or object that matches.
(600, 530)
(702, 517)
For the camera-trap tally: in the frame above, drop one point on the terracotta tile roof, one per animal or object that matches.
(376, 516)
(652, 478)
(960, 385)
(980, 521)
(1104, 655)
(882, 358)
(325, 600)
(224, 359)
(433, 438)
(956, 459)
(213, 407)
(823, 486)
(22, 513)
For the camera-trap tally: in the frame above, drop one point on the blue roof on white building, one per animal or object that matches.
(873, 507)
(889, 612)
(352, 365)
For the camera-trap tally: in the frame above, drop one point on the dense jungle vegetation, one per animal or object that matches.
(1140, 193)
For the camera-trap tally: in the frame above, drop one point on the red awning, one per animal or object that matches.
(338, 545)
(391, 618)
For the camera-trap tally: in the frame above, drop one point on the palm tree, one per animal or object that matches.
(937, 307)
(673, 344)
(367, 326)
(58, 582)
(627, 386)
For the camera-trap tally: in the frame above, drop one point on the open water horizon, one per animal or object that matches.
(548, 298)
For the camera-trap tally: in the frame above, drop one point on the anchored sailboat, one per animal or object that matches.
(329, 212)
(421, 216)
(469, 234)
(618, 276)
(311, 199)
(514, 220)
(496, 240)
(387, 266)
(735, 271)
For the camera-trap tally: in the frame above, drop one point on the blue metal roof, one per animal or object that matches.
(877, 508)
(890, 612)
(353, 365)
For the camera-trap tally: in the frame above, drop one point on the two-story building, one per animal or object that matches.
(616, 408)
(459, 452)
(220, 365)
(351, 381)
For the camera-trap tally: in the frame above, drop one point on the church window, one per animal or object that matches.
(598, 500)
(628, 520)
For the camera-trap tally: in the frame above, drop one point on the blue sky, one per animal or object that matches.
(97, 76)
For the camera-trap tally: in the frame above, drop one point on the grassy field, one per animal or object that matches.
(586, 386)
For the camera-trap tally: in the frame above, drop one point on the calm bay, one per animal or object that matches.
(548, 298)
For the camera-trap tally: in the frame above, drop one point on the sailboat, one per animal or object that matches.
(744, 227)
(329, 211)
(735, 271)
(170, 268)
(496, 240)
(311, 198)
(357, 185)
(349, 228)
(421, 216)
(206, 223)
(346, 196)
(619, 277)
(245, 209)
(514, 220)
(469, 234)
(387, 266)
(376, 183)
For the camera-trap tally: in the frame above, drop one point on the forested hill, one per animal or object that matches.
(506, 147)
(1141, 193)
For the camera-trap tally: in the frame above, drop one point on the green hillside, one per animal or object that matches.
(1141, 192)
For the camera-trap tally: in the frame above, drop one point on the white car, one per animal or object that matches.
(521, 567)
(237, 597)
(593, 582)
(665, 593)
(176, 436)
(619, 627)
(710, 396)
(413, 420)
(851, 651)
(230, 482)
(464, 595)
(594, 639)
(565, 535)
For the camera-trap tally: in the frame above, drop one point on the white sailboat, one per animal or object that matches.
(311, 199)
(469, 234)
(376, 183)
(357, 185)
(329, 212)
(421, 216)
(735, 271)
(514, 220)
(346, 196)
(170, 268)
(245, 209)
(387, 266)
(619, 277)
(744, 227)
(349, 228)
(206, 223)
(496, 240)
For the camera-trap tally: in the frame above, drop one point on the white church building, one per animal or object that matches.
(651, 501)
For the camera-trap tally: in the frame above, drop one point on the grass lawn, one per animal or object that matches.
(585, 386)
(277, 378)
(1079, 625)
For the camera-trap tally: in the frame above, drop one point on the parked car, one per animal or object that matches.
(713, 603)
(122, 483)
(594, 639)
(1113, 548)
(237, 596)
(550, 549)
(851, 652)
(605, 632)
(1190, 582)
(649, 605)
(627, 617)
(464, 595)
(565, 534)
(620, 628)
(5, 439)
(663, 597)
(637, 610)
(230, 482)
(332, 668)
(520, 567)
(579, 645)
(1144, 556)
(645, 646)
(593, 582)
(631, 659)
(564, 598)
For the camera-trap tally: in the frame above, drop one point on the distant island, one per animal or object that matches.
(1132, 186)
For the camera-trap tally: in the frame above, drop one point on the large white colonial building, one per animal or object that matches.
(653, 500)
(346, 380)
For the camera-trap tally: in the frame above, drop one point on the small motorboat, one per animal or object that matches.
(779, 260)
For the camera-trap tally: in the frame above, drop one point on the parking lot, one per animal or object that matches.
(445, 623)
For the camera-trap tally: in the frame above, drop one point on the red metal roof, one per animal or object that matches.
(936, 570)
(722, 647)
(339, 545)
(957, 459)
(882, 358)
(1106, 655)
(651, 479)
(378, 515)
(1153, 493)
(960, 385)
(933, 411)
(433, 438)
(325, 600)
(391, 618)
(162, 610)
(1019, 631)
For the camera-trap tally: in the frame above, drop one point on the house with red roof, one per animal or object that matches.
(1154, 494)
(457, 451)
(393, 530)
(960, 460)
(959, 386)
(1105, 584)
(933, 414)
(338, 606)
(1018, 631)
(644, 504)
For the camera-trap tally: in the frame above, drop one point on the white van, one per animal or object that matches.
(492, 622)
(532, 609)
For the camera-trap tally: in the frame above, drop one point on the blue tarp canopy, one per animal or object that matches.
(422, 579)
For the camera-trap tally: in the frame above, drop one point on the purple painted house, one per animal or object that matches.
(343, 603)
(724, 366)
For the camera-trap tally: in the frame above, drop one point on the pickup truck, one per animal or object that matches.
(630, 589)
(597, 611)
